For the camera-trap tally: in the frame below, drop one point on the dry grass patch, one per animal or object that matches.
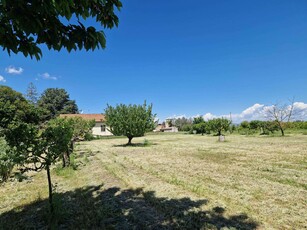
(173, 181)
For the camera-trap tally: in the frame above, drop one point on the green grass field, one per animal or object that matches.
(169, 181)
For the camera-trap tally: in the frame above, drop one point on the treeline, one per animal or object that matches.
(269, 127)
(198, 125)
(216, 126)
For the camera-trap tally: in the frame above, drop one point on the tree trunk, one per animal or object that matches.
(281, 129)
(50, 193)
(129, 140)
(66, 159)
(66, 155)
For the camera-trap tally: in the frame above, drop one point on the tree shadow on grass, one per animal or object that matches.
(136, 145)
(95, 208)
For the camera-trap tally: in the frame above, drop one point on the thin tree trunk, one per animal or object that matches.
(281, 129)
(282, 132)
(129, 140)
(63, 161)
(50, 191)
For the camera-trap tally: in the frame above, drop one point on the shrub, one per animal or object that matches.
(6, 162)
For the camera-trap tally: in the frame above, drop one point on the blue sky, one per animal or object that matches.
(186, 57)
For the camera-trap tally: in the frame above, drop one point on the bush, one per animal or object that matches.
(89, 137)
(6, 162)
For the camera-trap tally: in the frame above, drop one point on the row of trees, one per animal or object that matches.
(31, 141)
(267, 127)
(218, 125)
(200, 126)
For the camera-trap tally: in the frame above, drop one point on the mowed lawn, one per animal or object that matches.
(170, 181)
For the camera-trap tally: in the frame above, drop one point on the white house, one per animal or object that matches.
(100, 128)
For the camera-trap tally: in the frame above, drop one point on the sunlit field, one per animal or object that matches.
(169, 181)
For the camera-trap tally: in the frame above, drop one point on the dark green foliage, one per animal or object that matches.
(269, 127)
(15, 108)
(198, 120)
(55, 101)
(130, 120)
(244, 125)
(18, 120)
(6, 162)
(187, 128)
(202, 127)
(28, 144)
(256, 126)
(25, 24)
(218, 125)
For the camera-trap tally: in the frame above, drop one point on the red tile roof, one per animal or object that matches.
(96, 117)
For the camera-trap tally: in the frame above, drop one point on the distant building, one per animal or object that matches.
(100, 128)
(172, 129)
(166, 127)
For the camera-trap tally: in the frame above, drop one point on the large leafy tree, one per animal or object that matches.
(55, 101)
(15, 108)
(130, 120)
(25, 24)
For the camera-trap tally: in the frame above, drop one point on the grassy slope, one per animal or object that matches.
(178, 181)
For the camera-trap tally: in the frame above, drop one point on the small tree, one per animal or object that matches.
(40, 148)
(80, 128)
(281, 114)
(219, 124)
(201, 127)
(6, 162)
(130, 120)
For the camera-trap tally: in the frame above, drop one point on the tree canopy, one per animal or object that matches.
(55, 101)
(130, 120)
(25, 24)
(15, 108)
(219, 124)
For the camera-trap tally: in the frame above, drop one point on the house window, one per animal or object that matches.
(103, 128)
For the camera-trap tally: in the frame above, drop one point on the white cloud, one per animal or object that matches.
(208, 116)
(300, 105)
(2, 79)
(255, 112)
(47, 76)
(13, 70)
(252, 110)
(176, 116)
